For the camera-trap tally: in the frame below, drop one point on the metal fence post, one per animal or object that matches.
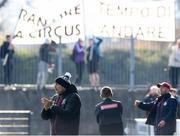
(29, 122)
(131, 84)
(59, 57)
(132, 65)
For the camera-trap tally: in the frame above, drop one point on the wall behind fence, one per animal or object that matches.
(30, 100)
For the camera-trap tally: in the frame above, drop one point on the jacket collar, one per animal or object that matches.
(107, 99)
(164, 96)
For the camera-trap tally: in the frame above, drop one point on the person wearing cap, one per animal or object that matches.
(63, 109)
(109, 113)
(174, 63)
(162, 111)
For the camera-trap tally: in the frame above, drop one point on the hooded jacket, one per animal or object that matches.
(65, 113)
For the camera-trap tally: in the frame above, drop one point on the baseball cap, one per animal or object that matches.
(164, 84)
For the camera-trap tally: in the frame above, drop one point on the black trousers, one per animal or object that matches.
(112, 129)
(79, 71)
(166, 132)
(8, 73)
(174, 75)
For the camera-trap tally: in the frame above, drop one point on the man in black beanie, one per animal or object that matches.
(63, 109)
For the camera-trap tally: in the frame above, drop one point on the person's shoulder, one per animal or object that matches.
(45, 45)
(76, 45)
(99, 104)
(73, 88)
(42, 46)
(172, 98)
(117, 101)
(74, 96)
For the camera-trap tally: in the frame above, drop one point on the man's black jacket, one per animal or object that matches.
(109, 117)
(65, 113)
(163, 108)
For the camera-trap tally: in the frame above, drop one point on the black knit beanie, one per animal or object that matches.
(64, 80)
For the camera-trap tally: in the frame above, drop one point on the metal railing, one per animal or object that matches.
(15, 122)
(150, 63)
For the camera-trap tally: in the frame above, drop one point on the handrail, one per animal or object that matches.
(15, 111)
(15, 122)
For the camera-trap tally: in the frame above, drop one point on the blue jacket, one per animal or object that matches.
(96, 50)
(163, 108)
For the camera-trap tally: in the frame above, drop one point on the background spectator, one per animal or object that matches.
(109, 113)
(44, 63)
(174, 63)
(7, 52)
(93, 56)
(79, 53)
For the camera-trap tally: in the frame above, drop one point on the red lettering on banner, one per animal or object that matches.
(109, 106)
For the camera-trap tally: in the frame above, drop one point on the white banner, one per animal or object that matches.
(150, 20)
(57, 20)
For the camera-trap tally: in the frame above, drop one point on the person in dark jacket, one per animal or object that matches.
(63, 109)
(109, 114)
(152, 94)
(162, 111)
(174, 92)
(44, 64)
(6, 54)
